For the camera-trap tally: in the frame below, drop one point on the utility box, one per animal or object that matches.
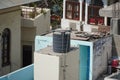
(49, 65)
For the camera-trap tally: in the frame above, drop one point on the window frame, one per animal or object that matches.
(72, 11)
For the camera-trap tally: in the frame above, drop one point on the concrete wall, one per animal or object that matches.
(102, 52)
(90, 28)
(42, 23)
(51, 66)
(116, 45)
(27, 22)
(28, 33)
(98, 58)
(12, 20)
(67, 24)
(44, 41)
(115, 23)
(32, 27)
(27, 37)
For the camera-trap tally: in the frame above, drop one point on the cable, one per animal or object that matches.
(64, 57)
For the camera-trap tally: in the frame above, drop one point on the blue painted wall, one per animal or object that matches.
(21, 74)
(84, 62)
(43, 41)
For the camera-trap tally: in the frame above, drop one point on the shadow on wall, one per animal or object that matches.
(116, 45)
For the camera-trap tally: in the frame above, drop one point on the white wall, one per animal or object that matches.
(49, 65)
(42, 23)
(12, 20)
(67, 24)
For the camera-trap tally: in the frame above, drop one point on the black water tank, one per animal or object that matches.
(61, 41)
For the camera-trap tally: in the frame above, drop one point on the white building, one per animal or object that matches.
(82, 12)
(93, 56)
(17, 34)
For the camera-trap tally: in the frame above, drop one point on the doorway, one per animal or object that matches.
(27, 55)
(84, 62)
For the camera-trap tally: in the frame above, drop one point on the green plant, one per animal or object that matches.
(31, 15)
(43, 11)
(34, 13)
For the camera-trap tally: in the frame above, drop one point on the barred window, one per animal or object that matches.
(6, 47)
(72, 10)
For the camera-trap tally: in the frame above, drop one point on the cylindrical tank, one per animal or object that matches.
(61, 41)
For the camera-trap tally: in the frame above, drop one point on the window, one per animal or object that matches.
(96, 2)
(72, 10)
(93, 12)
(6, 47)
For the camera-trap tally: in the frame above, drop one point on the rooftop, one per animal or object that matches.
(12, 3)
(49, 51)
(97, 33)
(32, 12)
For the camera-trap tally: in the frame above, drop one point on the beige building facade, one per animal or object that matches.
(11, 20)
(30, 27)
(17, 36)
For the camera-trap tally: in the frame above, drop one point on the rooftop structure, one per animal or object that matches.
(97, 32)
(111, 11)
(56, 66)
(93, 53)
(12, 3)
(32, 12)
(78, 14)
(19, 30)
(36, 18)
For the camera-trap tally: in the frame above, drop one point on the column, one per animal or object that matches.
(105, 5)
(105, 20)
(64, 8)
(86, 11)
(81, 2)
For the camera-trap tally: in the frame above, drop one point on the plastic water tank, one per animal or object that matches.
(61, 41)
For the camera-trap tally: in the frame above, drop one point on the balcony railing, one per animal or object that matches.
(31, 12)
